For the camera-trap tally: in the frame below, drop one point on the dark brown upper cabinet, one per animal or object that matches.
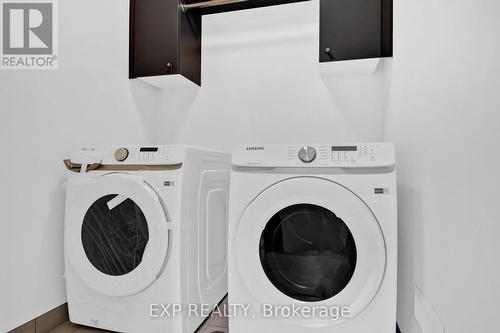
(355, 29)
(165, 38)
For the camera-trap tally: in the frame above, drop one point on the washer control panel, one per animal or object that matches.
(365, 155)
(136, 155)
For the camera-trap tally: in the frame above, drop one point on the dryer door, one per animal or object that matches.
(310, 241)
(116, 234)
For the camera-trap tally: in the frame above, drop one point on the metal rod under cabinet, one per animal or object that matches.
(209, 3)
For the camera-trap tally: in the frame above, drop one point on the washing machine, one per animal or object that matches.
(313, 239)
(145, 237)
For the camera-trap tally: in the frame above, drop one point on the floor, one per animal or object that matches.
(215, 324)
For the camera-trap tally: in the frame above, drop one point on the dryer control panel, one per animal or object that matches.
(131, 155)
(364, 155)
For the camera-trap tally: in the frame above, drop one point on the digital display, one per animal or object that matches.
(149, 149)
(344, 148)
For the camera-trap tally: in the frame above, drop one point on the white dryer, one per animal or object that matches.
(313, 239)
(145, 231)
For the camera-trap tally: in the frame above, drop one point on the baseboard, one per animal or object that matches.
(45, 322)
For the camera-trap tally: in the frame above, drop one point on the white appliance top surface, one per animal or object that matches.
(323, 155)
(134, 155)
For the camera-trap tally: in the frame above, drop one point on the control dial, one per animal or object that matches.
(307, 154)
(121, 154)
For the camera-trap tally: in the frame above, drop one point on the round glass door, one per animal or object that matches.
(114, 238)
(307, 252)
(309, 240)
(116, 233)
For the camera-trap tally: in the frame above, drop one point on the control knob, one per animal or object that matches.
(307, 154)
(121, 154)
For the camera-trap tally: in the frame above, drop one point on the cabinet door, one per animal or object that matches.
(153, 37)
(189, 64)
(350, 29)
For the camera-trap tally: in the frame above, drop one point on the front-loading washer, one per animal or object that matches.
(145, 237)
(313, 239)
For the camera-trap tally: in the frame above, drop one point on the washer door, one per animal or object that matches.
(116, 234)
(306, 240)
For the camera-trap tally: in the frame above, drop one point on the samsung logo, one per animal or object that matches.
(255, 148)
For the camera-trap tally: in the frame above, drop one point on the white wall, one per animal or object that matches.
(444, 116)
(43, 116)
(261, 83)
